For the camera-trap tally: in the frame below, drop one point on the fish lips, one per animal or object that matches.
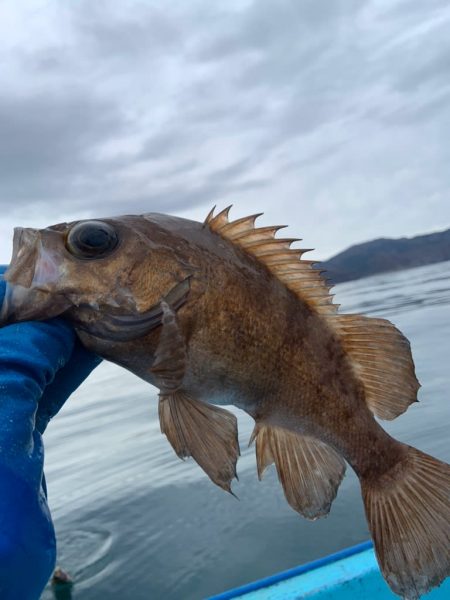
(30, 304)
(30, 280)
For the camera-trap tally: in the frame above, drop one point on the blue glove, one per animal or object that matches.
(41, 364)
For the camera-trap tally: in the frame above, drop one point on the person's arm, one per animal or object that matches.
(40, 365)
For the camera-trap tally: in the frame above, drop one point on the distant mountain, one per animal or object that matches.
(387, 254)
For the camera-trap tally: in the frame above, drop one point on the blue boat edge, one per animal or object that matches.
(349, 573)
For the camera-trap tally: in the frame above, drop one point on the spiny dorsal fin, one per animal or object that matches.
(309, 470)
(381, 358)
(278, 256)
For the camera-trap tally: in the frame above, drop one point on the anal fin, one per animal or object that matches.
(205, 432)
(309, 470)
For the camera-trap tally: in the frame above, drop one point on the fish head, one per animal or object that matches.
(108, 276)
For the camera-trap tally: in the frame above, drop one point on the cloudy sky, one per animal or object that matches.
(331, 116)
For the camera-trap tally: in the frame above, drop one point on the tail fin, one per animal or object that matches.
(408, 510)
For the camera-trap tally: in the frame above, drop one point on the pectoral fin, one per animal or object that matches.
(309, 470)
(205, 432)
(170, 357)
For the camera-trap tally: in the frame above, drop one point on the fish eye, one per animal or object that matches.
(91, 239)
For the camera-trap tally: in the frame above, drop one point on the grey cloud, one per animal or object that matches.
(48, 141)
(179, 169)
(265, 26)
(173, 198)
(145, 31)
(298, 62)
(415, 111)
(138, 107)
(162, 144)
(410, 9)
(314, 158)
(47, 61)
(216, 110)
(232, 171)
(305, 116)
(430, 71)
(251, 185)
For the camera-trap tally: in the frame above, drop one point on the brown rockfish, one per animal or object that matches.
(227, 313)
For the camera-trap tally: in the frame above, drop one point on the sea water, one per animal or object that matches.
(135, 522)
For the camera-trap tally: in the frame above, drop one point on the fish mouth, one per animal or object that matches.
(30, 304)
(30, 281)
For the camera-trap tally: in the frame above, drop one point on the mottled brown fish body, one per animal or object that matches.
(261, 348)
(226, 313)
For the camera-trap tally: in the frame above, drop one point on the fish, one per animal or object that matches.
(227, 313)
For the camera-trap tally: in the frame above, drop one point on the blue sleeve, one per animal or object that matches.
(65, 382)
(30, 356)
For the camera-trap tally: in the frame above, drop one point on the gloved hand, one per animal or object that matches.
(41, 364)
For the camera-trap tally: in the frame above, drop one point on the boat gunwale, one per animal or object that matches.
(293, 572)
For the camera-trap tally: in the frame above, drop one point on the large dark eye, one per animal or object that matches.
(91, 239)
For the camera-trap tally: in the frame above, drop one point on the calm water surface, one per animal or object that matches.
(135, 522)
